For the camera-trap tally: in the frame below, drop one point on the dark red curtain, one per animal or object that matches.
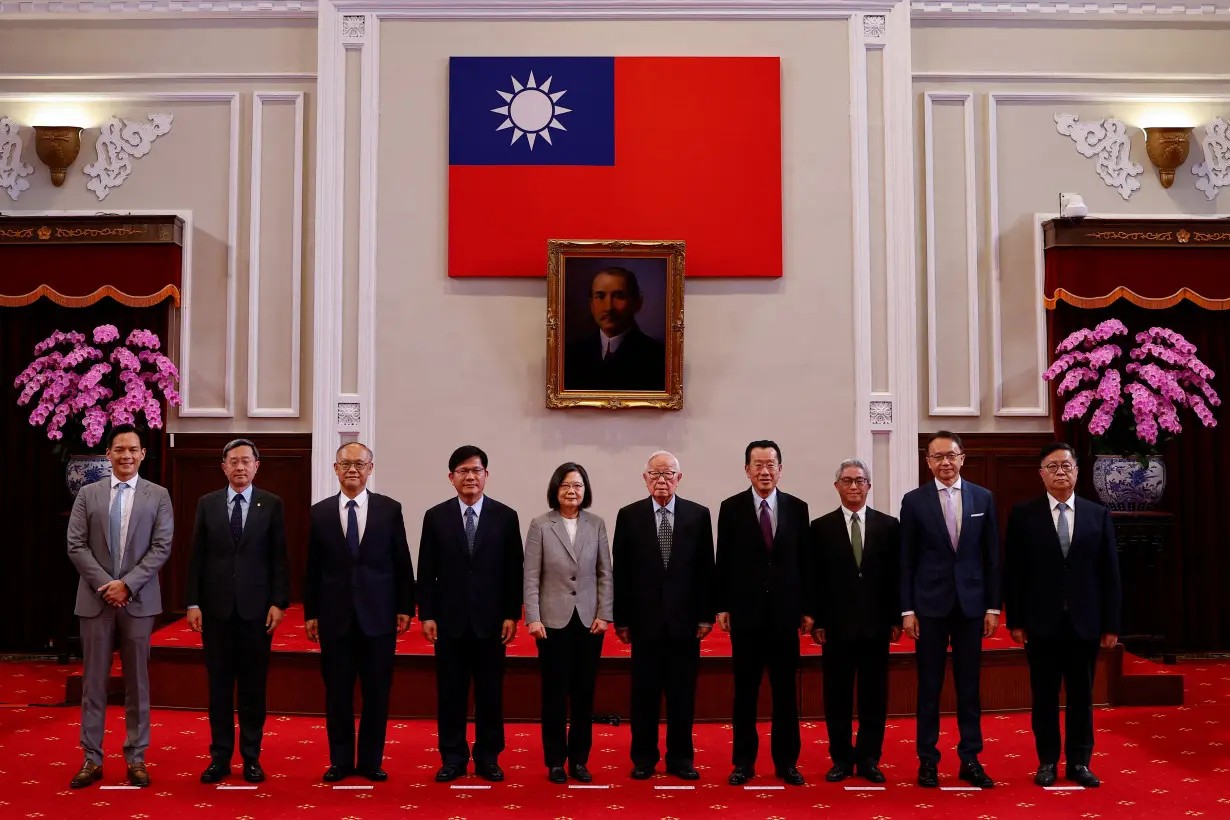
(36, 612)
(1197, 573)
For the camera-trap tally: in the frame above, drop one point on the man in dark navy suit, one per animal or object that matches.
(358, 596)
(950, 591)
(470, 573)
(1062, 591)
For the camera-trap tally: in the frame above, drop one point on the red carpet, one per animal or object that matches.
(290, 638)
(1154, 763)
(34, 681)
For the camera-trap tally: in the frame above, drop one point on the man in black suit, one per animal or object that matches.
(950, 590)
(621, 356)
(663, 556)
(358, 596)
(765, 600)
(237, 592)
(470, 573)
(1063, 597)
(858, 613)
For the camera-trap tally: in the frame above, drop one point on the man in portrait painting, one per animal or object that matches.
(620, 356)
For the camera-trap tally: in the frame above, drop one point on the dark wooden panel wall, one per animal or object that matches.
(194, 468)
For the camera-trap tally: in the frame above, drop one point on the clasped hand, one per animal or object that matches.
(115, 593)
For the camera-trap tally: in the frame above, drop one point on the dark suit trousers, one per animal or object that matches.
(460, 661)
(752, 654)
(1069, 659)
(930, 653)
(343, 658)
(568, 659)
(664, 666)
(844, 662)
(236, 658)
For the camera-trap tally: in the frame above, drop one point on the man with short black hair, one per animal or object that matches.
(238, 590)
(1062, 591)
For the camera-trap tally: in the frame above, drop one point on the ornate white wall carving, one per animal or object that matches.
(1106, 142)
(1214, 172)
(12, 169)
(119, 143)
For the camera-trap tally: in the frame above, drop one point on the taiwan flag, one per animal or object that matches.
(646, 148)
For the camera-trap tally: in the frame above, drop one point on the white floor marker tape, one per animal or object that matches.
(354, 787)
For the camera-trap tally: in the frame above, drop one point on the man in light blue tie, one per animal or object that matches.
(119, 536)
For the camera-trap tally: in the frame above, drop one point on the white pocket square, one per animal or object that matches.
(976, 515)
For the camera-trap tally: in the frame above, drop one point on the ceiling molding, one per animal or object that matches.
(145, 9)
(1099, 11)
(615, 9)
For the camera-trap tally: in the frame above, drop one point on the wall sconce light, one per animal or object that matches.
(57, 146)
(1167, 149)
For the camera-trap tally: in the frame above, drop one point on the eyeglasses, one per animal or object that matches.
(465, 471)
(760, 465)
(940, 458)
(358, 465)
(854, 482)
(575, 487)
(1065, 467)
(655, 475)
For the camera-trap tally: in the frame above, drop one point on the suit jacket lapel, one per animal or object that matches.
(1080, 526)
(937, 507)
(335, 526)
(255, 512)
(561, 532)
(140, 504)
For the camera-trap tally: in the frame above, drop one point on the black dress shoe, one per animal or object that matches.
(215, 771)
(556, 774)
(580, 773)
(1082, 775)
(838, 773)
(336, 774)
(791, 777)
(972, 772)
(490, 772)
(741, 775)
(376, 775)
(642, 772)
(1045, 775)
(252, 772)
(928, 775)
(448, 773)
(685, 772)
(869, 771)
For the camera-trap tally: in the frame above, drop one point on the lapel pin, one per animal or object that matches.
(258, 503)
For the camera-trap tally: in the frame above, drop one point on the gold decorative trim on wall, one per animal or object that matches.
(1147, 302)
(90, 298)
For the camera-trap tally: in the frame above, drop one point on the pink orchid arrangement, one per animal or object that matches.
(93, 386)
(1162, 376)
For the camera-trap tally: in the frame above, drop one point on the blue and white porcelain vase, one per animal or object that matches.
(84, 470)
(1125, 486)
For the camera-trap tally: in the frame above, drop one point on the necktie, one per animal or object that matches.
(117, 523)
(471, 528)
(766, 525)
(665, 536)
(950, 515)
(352, 527)
(856, 540)
(237, 519)
(1065, 538)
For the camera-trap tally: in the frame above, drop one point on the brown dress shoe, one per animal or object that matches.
(90, 774)
(137, 775)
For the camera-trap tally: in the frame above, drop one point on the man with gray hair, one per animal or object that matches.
(238, 590)
(663, 556)
(858, 614)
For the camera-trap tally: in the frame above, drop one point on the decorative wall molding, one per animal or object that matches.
(613, 9)
(354, 28)
(1066, 77)
(1108, 144)
(860, 215)
(255, 235)
(875, 27)
(1066, 12)
(1214, 172)
(119, 9)
(12, 169)
(174, 76)
(349, 414)
(119, 143)
(187, 410)
(880, 413)
(973, 329)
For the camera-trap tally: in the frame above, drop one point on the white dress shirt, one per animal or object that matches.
(125, 515)
(670, 514)
(477, 506)
(611, 343)
(942, 489)
(360, 511)
(247, 503)
(1071, 502)
(772, 499)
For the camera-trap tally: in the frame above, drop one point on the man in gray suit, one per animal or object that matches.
(119, 536)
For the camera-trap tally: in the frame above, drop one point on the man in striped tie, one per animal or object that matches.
(1061, 587)
(119, 536)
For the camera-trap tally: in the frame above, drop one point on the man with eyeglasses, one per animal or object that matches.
(358, 596)
(470, 574)
(1062, 591)
(858, 613)
(950, 592)
(663, 570)
(765, 601)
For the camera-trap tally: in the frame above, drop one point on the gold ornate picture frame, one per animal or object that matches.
(615, 323)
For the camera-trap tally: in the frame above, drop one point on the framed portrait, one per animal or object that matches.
(615, 324)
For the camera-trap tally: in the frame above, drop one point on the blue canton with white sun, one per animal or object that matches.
(532, 110)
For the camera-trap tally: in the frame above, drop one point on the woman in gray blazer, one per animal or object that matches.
(569, 600)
